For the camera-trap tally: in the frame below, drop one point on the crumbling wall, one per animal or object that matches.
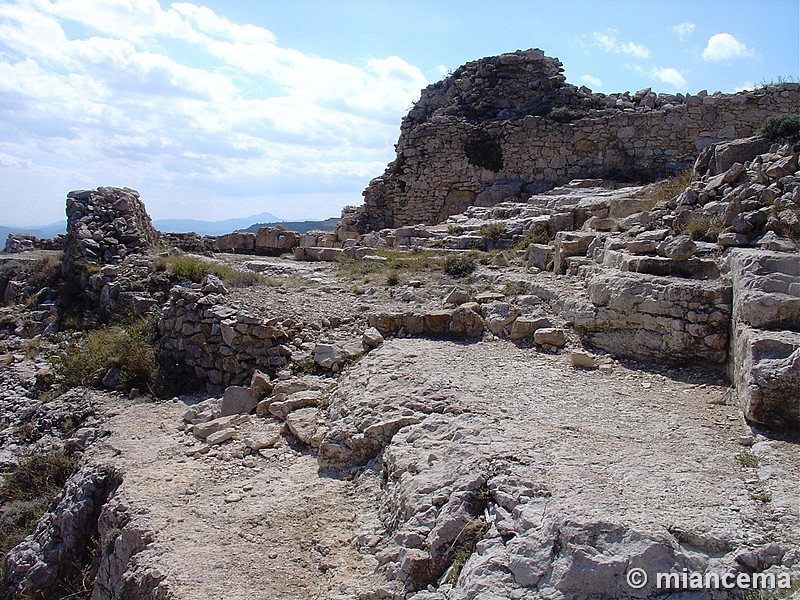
(107, 231)
(219, 344)
(508, 126)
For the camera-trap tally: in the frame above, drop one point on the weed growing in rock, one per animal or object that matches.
(467, 540)
(493, 231)
(784, 129)
(184, 267)
(747, 459)
(26, 433)
(669, 188)
(703, 228)
(459, 266)
(129, 348)
(454, 230)
(515, 288)
(537, 235)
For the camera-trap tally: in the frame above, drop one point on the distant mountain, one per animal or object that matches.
(42, 231)
(210, 227)
(298, 226)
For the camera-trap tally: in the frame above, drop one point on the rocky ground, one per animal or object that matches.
(534, 478)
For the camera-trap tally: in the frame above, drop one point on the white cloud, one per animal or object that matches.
(671, 76)
(237, 115)
(668, 75)
(442, 70)
(608, 42)
(724, 46)
(684, 29)
(592, 80)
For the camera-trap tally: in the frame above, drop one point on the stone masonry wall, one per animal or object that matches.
(508, 126)
(218, 343)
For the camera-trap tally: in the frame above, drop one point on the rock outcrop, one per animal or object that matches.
(765, 365)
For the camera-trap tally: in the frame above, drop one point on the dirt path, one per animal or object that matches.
(273, 529)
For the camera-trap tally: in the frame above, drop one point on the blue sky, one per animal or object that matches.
(217, 109)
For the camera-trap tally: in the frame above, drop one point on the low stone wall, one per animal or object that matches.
(765, 361)
(20, 242)
(272, 241)
(219, 344)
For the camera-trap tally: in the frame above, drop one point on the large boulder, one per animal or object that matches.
(767, 376)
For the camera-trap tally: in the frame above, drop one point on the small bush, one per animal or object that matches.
(703, 228)
(128, 347)
(515, 288)
(459, 266)
(747, 459)
(670, 188)
(537, 235)
(493, 231)
(186, 267)
(783, 129)
(454, 229)
(564, 114)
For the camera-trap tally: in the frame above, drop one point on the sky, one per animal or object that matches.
(219, 109)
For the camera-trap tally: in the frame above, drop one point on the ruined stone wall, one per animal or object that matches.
(219, 344)
(20, 242)
(506, 127)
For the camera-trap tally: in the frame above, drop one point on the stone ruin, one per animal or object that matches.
(506, 127)
(709, 276)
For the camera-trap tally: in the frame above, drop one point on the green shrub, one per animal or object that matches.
(537, 235)
(184, 267)
(483, 150)
(393, 278)
(493, 231)
(784, 129)
(454, 229)
(747, 459)
(459, 266)
(26, 493)
(564, 114)
(703, 228)
(127, 347)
